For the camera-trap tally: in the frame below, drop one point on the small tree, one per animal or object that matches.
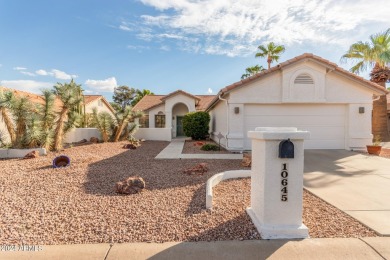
(196, 125)
(123, 95)
(104, 122)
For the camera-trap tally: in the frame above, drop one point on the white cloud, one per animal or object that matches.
(42, 72)
(20, 68)
(210, 91)
(165, 48)
(105, 85)
(27, 73)
(26, 85)
(58, 74)
(232, 28)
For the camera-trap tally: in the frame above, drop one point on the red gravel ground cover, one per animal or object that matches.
(41, 205)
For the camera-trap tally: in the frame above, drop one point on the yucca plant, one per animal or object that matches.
(104, 122)
(47, 119)
(122, 122)
(68, 93)
(6, 99)
(33, 135)
(21, 109)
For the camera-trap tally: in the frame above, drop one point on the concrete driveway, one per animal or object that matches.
(355, 183)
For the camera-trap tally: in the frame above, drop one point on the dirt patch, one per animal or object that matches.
(193, 147)
(41, 205)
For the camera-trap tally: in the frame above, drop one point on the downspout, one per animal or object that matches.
(227, 123)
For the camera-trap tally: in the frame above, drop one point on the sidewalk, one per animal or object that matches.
(325, 248)
(175, 148)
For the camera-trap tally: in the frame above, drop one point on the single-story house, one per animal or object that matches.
(91, 101)
(307, 92)
(164, 113)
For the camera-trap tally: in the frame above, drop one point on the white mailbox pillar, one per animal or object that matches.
(277, 183)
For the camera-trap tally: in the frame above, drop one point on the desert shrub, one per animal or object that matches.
(196, 125)
(210, 147)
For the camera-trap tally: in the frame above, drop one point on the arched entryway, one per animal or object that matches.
(178, 112)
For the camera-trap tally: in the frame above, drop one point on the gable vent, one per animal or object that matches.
(303, 79)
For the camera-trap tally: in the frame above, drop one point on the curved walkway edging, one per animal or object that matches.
(217, 178)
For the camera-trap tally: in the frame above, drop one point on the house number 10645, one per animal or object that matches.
(284, 182)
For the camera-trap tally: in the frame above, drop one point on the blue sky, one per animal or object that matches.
(165, 45)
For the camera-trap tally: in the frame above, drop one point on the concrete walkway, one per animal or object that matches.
(355, 183)
(331, 248)
(175, 148)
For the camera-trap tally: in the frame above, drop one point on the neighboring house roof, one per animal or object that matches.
(151, 101)
(306, 56)
(34, 98)
(90, 98)
(38, 99)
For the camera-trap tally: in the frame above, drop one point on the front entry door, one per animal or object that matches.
(179, 126)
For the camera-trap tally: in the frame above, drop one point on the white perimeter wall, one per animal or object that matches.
(78, 134)
(155, 134)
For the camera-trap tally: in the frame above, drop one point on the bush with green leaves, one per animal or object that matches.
(210, 147)
(196, 125)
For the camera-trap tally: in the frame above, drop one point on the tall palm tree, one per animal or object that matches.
(271, 51)
(139, 94)
(374, 55)
(68, 93)
(250, 71)
(6, 100)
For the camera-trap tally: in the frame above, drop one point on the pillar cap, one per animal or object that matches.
(278, 133)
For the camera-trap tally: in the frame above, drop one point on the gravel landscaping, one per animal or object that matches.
(40, 205)
(192, 147)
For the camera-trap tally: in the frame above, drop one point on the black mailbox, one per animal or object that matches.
(286, 149)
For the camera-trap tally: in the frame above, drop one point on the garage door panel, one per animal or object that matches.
(295, 110)
(298, 120)
(326, 123)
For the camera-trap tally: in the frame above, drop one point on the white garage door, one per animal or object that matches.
(326, 123)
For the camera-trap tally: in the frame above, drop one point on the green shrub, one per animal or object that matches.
(196, 125)
(210, 147)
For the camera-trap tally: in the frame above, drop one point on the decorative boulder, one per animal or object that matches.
(198, 169)
(94, 140)
(130, 146)
(131, 185)
(32, 155)
(246, 160)
(61, 161)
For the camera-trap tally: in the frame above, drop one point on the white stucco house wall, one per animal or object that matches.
(164, 114)
(307, 92)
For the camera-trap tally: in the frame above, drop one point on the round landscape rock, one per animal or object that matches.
(32, 155)
(131, 185)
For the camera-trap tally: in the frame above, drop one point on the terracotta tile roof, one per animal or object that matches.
(179, 92)
(204, 101)
(38, 99)
(332, 66)
(148, 102)
(34, 98)
(151, 101)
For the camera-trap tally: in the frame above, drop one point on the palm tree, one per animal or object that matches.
(374, 54)
(6, 100)
(271, 52)
(139, 94)
(68, 93)
(250, 71)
